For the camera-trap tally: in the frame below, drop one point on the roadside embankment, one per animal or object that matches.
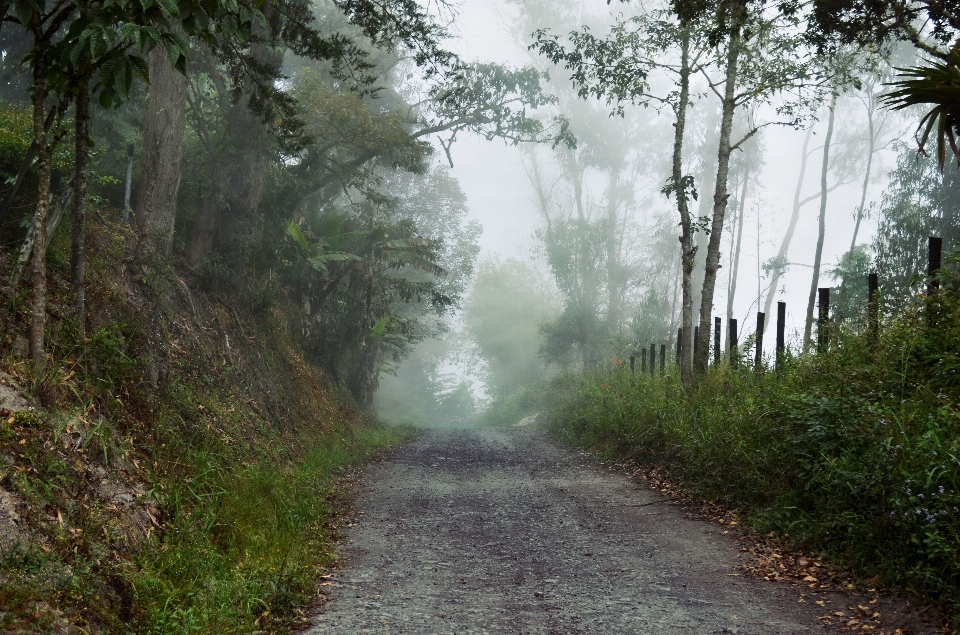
(178, 469)
(852, 453)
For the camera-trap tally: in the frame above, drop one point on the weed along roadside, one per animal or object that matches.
(850, 453)
(180, 471)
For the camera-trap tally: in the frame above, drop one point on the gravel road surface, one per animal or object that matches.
(506, 531)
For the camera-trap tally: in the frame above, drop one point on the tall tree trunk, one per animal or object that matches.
(38, 299)
(708, 152)
(866, 176)
(673, 304)
(720, 196)
(791, 228)
(79, 238)
(613, 254)
(587, 292)
(246, 176)
(205, 223)
(735, 251)
(365, 377)
(688, 251)
(815, 280)
(156, 208)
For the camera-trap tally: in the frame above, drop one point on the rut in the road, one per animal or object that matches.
(504, 531)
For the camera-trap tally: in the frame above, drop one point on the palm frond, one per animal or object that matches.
(936, 84)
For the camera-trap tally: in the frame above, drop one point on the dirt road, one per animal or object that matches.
(505, 531)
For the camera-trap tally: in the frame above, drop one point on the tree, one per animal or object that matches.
(821, 223)
(98, 38)
(867, 94)
(502, 316)
(926, 24)
(156, 206)
(751, 159)
(852, 271)
(921, 200)
(760, 60)
(617, 69)
(573, 247)
(377, 271)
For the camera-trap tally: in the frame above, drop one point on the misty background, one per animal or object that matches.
(459, 376)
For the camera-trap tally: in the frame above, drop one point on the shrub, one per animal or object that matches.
(853, 452)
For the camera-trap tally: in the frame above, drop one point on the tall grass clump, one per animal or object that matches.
(244, 544)
(852, 452)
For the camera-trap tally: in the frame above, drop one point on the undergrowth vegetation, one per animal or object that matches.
(852, 452)
(247, 542)
(182, 472)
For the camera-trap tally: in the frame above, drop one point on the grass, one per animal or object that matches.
(244, 546)
(852, 453)
(241, 538)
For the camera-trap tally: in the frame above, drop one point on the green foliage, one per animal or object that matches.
(936, 84)
(575, 251)
(852, 273)
(853, 452)
(423, 392)
(497, 103)
(650, 321)
(16, 135)
(577, 337)
(503, 313)
(921, 201)
(509, 411)
(244, 541)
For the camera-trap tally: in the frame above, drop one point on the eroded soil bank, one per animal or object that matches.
(505, 531)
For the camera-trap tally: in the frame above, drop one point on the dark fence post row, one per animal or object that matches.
(716, 341)
(734, 350)
(781, 333)
(823, 319)
(934, 263)
(758, 362)
(934, 254)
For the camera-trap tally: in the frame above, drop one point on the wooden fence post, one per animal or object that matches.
(781, 333)
(734, 352)
(653, 359)
(633, 370)
(823, 320)
(663, 359)
(643, 360)
(758, 363)
(935, 252)
(873, 306)
(716, 341)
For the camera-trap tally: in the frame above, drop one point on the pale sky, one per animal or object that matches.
(499, 196)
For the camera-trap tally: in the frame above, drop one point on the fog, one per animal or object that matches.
(498, 182)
